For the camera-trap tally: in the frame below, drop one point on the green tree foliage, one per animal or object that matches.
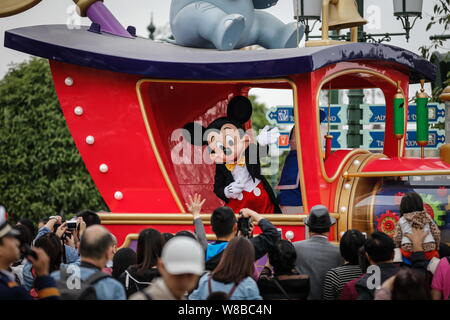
(259, 120)
(41, 171)
(441, 16)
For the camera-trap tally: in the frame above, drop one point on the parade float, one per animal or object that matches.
(124, 98)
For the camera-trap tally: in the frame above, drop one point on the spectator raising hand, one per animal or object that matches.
(195, 205)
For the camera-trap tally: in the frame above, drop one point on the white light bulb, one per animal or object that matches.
(104, 168)
(78, 111)
(118, 195)
(289, 235)
(90, 140)
(356, 162)
(68, 81)
(347, 186)
(343, 209)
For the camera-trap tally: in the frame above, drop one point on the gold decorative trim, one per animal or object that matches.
(162, 168)
(355, 186)
(186, 219)
(347, 175)
(322, 83)
(348, 195)
(343, 163)
(249, 83)
(372, 204)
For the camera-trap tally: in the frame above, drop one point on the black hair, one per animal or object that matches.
(319, 230)
(149, 248)
(185, 233)
(444, 250)
(97, 249)
(53, 247)
(30, 225)
(363, 261)
(25, 236)
(350, 243)
(166, 236)
(282, 257)
(222, 221)
(292, 132)
(411, 202)
(409, 284)
(380, 247)
(89, 217)
(123, 258)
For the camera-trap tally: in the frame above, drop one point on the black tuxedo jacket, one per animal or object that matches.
(224, 177)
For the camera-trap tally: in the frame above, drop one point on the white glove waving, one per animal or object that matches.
(234, 190)
(268, 136)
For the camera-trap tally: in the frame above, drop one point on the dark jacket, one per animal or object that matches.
(45, 287)
(133, 281)
(286, 287)
(388, 270)
(224, 177)
(262, 242)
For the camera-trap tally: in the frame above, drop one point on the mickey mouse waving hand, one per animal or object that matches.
(238, 179)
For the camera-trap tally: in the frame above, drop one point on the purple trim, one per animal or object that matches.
(99, 13)
(167, 61)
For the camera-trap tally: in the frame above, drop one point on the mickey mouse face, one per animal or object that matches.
(227, 144)
(225, 136)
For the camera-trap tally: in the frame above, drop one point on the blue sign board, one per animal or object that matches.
(281, 115)
(283, 140)
(435, 139)
(436, 113)
(285, 114)
(335, 144)
(335, 114)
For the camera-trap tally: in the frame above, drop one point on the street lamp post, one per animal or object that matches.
(355, 100)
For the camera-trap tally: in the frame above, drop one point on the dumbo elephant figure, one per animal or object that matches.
(230, 24)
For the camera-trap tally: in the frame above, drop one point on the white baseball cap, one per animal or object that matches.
(182, 255)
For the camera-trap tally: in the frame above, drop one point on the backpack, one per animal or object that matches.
(229, 294)
(86, 290)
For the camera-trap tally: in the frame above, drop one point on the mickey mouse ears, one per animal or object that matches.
(239, 109)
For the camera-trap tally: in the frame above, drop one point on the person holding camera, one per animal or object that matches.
(10, 251)
(69, 232)
(225, 226)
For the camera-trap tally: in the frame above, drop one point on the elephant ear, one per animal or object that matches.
(240, 109)
(193, 133)
(264, 4)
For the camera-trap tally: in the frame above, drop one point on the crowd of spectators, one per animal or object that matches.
(79, 260)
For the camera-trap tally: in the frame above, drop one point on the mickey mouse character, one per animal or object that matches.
(238, 179)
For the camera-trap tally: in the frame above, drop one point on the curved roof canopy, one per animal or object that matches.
(167, 61)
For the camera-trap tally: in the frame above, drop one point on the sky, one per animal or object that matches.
(138, 12)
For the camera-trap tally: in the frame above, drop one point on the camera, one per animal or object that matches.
(71, 225)
(244, 226)
(26, 251)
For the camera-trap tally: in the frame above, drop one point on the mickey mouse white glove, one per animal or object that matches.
(268, 136)
(233, 190)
